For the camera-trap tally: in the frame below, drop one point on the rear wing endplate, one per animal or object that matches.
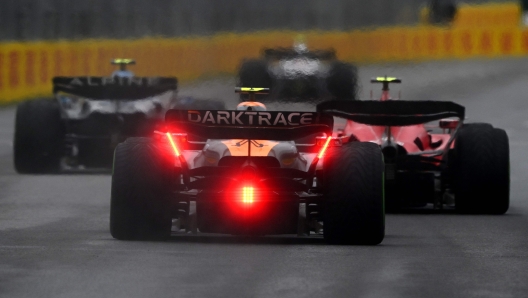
(229, 124)
(392, 112)
(114, 87)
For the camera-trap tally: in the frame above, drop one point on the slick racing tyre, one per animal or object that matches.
(342, 81)
(254, 73)
(481, 170)
(353, 184)
(140, 207)
(39, 134)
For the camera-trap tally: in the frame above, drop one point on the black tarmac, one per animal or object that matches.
(55, 240)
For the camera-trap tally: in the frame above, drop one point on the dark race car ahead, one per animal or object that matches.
(249, 177)
(79, 128)
(299, 74)
(448, 164)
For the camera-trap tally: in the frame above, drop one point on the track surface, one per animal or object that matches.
(54, 238)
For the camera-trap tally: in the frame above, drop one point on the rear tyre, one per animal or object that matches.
(39, 135)
(481, 170)
(342, 81)
(353, 182)
(254, 73)
(140, 207)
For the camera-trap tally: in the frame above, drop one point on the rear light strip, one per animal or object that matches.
(173, 144)
(325, 146)
(180, 157)
(248, 195)
(313, 165)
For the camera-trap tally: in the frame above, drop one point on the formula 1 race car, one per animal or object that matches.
(88, 117)
(249, 178)
(298, 74)
(450, 164)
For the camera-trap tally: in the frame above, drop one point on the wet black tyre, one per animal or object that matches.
(342, 81)
(354, 205)
(140, 207)
(39, 134)
(481, 170)
(254, 73)
(480, 125)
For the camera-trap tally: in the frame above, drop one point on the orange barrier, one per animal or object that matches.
(26, 69)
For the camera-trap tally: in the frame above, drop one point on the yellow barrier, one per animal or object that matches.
(26, 69)
(487, 15)
(491, 14)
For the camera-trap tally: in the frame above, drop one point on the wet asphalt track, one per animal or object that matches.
(54, 238)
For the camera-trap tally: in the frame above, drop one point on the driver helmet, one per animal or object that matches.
(251, 106)
(123, 74)
(300, 48)
(299, 45)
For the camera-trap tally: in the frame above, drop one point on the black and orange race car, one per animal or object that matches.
(242, 172)
(300, 74)
(431, 156)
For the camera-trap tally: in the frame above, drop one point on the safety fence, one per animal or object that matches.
(26, 69)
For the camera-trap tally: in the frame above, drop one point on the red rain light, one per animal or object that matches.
(173, 144)
(248, 194)
(325, 146)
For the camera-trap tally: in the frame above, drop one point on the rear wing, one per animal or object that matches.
(114, 87)
(288, 53)
(229, 124)
(392, 112)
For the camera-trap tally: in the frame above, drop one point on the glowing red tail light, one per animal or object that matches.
(325, 146)
(173, 144)
(248, 195)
